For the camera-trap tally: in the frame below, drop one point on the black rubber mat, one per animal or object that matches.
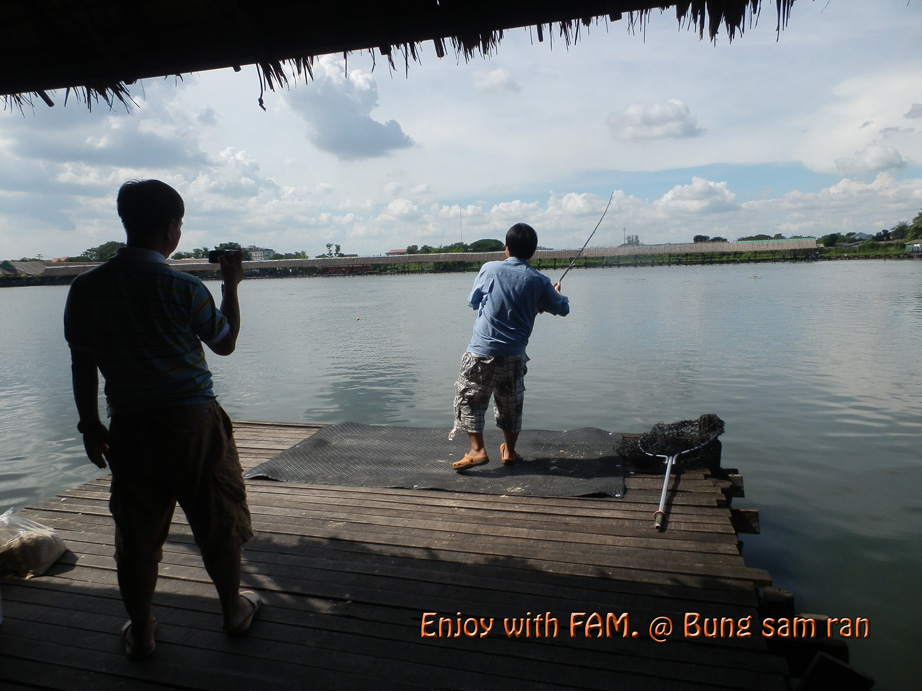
(577, 463)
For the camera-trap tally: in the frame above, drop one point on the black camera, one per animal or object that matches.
(214, 254)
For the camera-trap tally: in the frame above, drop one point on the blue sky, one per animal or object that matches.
(810, 131)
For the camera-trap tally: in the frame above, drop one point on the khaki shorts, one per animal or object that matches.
(184, 454)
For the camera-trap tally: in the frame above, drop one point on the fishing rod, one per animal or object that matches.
(589, 238)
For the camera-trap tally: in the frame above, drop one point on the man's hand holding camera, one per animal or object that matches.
(231, 268)
(231, 262)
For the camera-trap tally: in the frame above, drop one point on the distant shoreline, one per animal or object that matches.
(690, 254)
(44, 273)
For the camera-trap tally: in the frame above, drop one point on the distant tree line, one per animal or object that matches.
(332, 251)
(479, 246)
(107, 250)
(901, 232)
(202, 252)
(100, 253)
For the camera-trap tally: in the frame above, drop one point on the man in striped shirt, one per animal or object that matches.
(142, 325)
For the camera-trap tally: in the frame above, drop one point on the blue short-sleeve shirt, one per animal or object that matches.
(508, 296)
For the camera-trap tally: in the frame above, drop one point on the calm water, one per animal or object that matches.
(814, 369)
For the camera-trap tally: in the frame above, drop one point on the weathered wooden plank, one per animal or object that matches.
(346, 611)
(745, 520)
(353, 556)
(499, 540)
(568, 529)
(237, 666)
(634, 524)
(565, 505)
(621, 519)
(348, 573)
(398, 641)
(666, 555)
(629, 562)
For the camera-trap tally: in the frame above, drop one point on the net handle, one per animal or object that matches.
(660, 514)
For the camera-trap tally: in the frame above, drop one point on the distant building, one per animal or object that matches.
(260, 254)
(395, 253)
(35, 269)
(914, 247)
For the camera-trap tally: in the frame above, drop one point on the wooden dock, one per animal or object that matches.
(356, 580)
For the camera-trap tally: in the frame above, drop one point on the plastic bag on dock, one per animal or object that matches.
(27, 548)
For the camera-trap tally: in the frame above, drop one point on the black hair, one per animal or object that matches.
(522, 241)
(145, 206)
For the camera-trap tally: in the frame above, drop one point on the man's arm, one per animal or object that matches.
(481, 287)
(86, 396)
(231, 274)
(554, 301)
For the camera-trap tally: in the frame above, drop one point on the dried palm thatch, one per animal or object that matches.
(95, 49)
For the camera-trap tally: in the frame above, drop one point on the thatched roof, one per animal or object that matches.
(95, 49)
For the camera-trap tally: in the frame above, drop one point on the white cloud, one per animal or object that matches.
(700, 197)
(337, 110)
(401, 210)
(846, 206)
(519, 137)
(207, 118)
(498, 81)
(116, 140)
(871, 160)
(842, 133)
(671, 120)
(508, 213)
(573, 204)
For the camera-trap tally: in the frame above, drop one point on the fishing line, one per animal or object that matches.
(589, 238)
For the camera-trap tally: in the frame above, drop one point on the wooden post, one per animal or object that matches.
(776, 603)
(828, 672)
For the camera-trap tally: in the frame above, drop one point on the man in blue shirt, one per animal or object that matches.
(142, 324)
(507, 295)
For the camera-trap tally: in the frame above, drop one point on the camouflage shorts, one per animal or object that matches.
(481, 376)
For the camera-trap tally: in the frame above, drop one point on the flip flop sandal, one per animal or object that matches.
(132, 652)
(469, 461)
(244, 626)
(508, 461)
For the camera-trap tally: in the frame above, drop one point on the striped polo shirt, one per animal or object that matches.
(144, 323)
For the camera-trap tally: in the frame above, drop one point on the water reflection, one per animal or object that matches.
(812, 367)
(382, 350)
